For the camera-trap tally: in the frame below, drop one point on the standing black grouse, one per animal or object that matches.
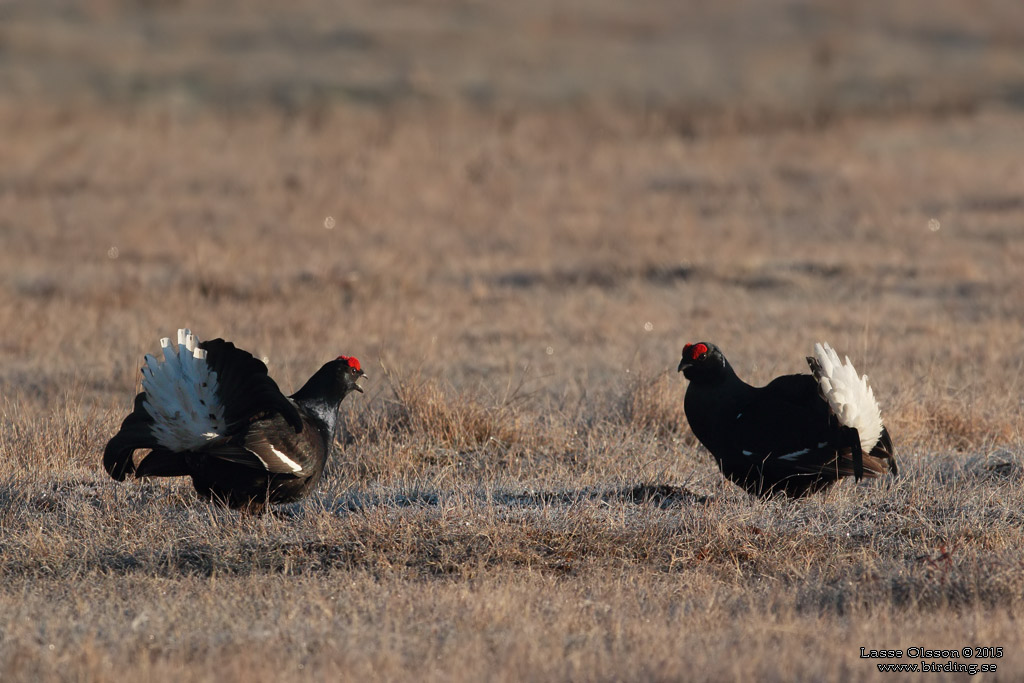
(799, 434)
(210, 411)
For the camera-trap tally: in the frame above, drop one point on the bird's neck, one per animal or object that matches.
(724, 379)
(324, 414)
(712, 403)
(321, 387)
(320, 398)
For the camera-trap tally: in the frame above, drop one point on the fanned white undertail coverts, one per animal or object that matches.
(851, 399)
(181, 395)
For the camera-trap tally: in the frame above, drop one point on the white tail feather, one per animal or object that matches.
(181, 395)
(851, 399)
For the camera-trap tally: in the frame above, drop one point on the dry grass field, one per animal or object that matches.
(514, 215)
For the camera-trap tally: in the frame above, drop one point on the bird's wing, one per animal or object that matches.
(283, 452)
(787, 426)
(270, 444)
(245, 389)
(136, 433)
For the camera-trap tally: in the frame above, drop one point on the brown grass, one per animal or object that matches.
(517, 495)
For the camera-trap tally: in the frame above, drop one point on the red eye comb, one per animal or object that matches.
(697, 350)
(352, 362)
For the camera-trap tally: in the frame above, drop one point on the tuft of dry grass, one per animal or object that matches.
(449, 419)
(655, 406)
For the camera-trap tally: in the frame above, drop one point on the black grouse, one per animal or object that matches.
(799, 434)
(211, 412)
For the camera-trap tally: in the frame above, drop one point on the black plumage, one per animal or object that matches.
(780, 438)
(229, 427)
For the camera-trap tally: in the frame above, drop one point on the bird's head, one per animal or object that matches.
(348, 372)
(702, 361)
(329, 386)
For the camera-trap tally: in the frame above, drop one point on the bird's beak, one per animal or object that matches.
(683, 364)
(356, 383)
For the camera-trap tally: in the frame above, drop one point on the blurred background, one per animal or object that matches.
(809, 60)
(489, 192)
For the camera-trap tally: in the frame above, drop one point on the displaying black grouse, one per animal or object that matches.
(211, 412)
(799, 434)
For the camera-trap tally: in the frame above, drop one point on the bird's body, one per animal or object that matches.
(211, 412)
(797, 435)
